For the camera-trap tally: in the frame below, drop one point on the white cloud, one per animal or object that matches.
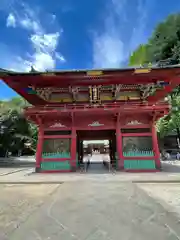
(29, 24)
(14, 62)
(45, 46)
(60, 57)
(43, 61)
(110, 50)
(43, 42)
(11, 21)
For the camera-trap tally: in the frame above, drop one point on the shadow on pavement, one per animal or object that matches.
(17, 162)
(171, 166)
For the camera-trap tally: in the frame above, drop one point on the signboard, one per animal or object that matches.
(142, 70)
(48, 74)
(94, 73)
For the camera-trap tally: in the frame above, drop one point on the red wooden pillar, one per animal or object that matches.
(119, 145)
(155, 146)
(39, 147)
(73, 149)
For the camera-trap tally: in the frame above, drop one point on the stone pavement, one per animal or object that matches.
(7, 171)
(86, 211)
(27, 176)
(167, 194)
(17, 202)
(170, 173)
(22, 158)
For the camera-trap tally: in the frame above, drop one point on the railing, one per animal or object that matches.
(108, 106)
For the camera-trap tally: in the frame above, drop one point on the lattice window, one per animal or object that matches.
(56, 148)
(138, 146)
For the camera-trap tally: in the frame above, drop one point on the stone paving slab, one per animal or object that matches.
(95, 211)
(22, 158)
(168, 195)
(28, 176)
(17, 202)
(7, 171)
(25, 176)
(172, 174)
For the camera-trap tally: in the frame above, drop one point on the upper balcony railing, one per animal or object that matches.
(107, 106)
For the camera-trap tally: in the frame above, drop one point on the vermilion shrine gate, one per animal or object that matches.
(121, 105)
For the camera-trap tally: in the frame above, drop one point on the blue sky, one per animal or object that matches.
(75, 34)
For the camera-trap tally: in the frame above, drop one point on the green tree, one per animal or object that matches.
(163, 45)
(165, 41)
(139, 57)
(15, 130)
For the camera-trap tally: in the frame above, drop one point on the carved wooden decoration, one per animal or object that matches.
(44, 93)
(95, 124)
(135, 119)
(57, 125)
(134, 122)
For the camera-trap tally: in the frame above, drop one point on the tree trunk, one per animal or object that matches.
(178, 137)
(7, 153)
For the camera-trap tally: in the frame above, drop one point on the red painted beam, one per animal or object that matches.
(57, 129)
(108, 108)
(160, 94)
(95, 138)
(97, 111)
(135, 126)
(95, 128)
(56, 136)
(136, 134)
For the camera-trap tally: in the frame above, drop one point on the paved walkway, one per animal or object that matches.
(168, 195)
(170, 173)
(86, 211)
(89, 206)
(22, 158)
(27, 176)
(8, 171)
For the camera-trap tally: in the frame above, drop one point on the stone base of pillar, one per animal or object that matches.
(158, 167)
(37, 169)
(73, 169)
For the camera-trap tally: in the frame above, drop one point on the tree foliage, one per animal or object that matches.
(139, 56)
(15, 130)
(165, 40)
(163, 45)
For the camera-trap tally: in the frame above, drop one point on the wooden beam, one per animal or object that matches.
(39, 119)
(100, 109)
(74, 92)
(117, 91)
